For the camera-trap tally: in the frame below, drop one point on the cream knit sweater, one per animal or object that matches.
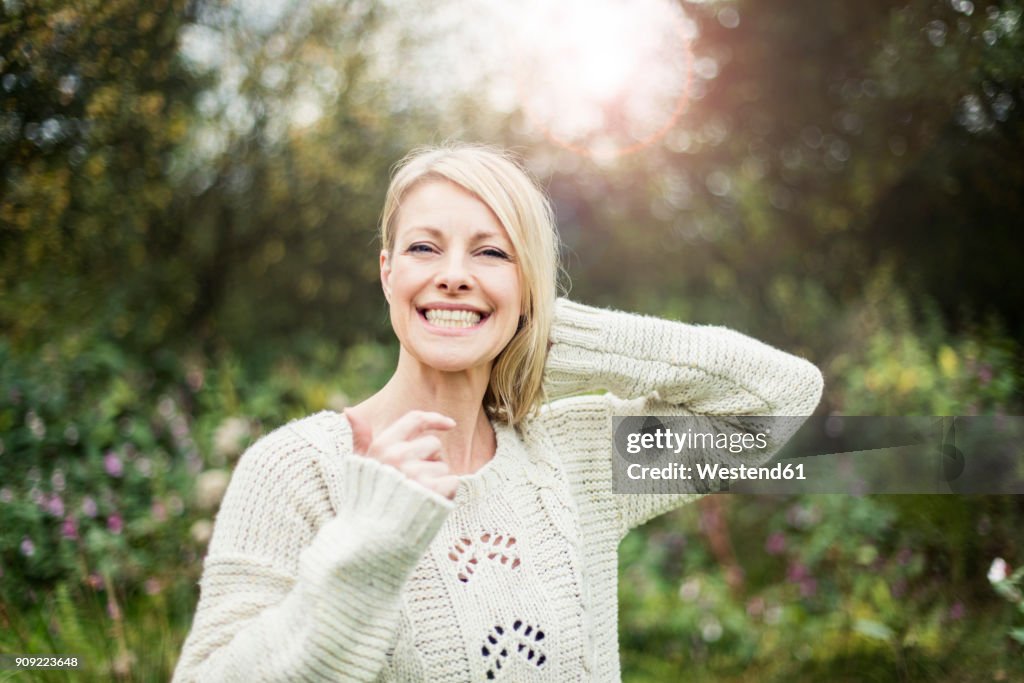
(327, 566)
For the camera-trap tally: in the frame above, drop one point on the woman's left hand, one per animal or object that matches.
(404, 446)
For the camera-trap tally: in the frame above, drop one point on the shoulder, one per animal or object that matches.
(327, 433)
(279, 493)
(296, 461)
(580, 422)
(305, 439)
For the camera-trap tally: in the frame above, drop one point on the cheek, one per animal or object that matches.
(398, 302)
(515, 290)
(403, 283)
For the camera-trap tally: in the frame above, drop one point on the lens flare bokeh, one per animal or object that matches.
(603, 78)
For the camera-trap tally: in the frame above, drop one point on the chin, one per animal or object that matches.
(453, 362)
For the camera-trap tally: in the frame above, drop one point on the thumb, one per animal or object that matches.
(362, 433)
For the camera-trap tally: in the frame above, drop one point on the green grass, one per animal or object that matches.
(124, 638)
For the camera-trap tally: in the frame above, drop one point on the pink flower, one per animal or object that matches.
(112, 464)
(28, 548)
(89, 508)
(69, 528)
(153, 586)
(797, 572)
(776, 544)
(55, 505)
(115, 523)
(957, 611)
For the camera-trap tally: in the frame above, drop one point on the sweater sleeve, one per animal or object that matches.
(300, 584)
(651, 366)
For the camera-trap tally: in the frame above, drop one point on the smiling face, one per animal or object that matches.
(451, 279)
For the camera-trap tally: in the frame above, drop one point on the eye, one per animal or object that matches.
(419, 248)
(495, 253)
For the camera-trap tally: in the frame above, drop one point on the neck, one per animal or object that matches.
(459, 395)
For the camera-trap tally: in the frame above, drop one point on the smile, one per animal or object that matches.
(452, 318)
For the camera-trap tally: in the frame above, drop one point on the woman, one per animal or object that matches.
(451, 527)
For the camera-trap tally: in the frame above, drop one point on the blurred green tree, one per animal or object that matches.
(821, 142)
(94, 103)
(193, 172)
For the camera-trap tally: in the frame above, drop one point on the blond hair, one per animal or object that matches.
(516, 199)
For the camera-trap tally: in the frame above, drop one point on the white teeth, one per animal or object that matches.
(450, 318)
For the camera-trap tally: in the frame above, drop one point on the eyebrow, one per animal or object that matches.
(479, 236)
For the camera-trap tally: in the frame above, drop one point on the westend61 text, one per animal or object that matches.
(716, 472)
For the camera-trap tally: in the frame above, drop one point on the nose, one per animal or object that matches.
(454, 275)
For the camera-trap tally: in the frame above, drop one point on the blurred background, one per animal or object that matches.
(188, 203)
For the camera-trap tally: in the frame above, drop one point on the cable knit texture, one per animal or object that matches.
(328, 566)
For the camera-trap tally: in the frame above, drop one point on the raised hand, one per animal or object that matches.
(405, 446)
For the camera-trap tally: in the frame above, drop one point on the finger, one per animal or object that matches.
(423, 471)
(412, 424)
(424, 448)
(362, 433)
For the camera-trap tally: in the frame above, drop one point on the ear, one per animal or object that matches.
(385, 273)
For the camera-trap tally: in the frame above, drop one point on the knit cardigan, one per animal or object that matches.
(325, 565)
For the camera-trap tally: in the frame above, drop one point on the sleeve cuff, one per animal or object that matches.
(381, 497)
(577, 325)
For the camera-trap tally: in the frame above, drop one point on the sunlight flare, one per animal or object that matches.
(602, 77)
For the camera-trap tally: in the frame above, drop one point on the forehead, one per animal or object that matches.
(442, 206)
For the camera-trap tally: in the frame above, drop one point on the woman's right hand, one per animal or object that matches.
(404, 446)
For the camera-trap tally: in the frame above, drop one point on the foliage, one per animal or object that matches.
(94, 465)
(188, 198)
(151, 191)
(866, 586)
(1008, 586)
(113, 466)
(117, 634)
(887, 364)
(95, 103)
(105, 456)
(834, 586)
(854, 588)
(834, 139)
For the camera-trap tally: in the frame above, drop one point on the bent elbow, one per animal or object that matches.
(808, 384)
